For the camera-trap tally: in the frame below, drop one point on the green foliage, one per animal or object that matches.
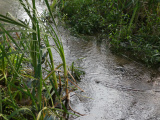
(28, 90)
(131, 25)
(82, 16)
(76, 71)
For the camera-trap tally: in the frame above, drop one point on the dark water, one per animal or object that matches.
(115, 88)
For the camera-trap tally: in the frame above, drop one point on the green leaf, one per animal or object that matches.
(19, 110)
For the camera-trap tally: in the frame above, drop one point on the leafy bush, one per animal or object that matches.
(130, 24)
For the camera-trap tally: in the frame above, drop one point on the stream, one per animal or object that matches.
(115, 88)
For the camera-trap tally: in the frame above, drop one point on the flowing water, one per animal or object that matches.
(115, 88)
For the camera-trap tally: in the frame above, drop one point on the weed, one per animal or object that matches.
(28, 91)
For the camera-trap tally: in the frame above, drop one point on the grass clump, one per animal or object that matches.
(32, 87)
(131, 25)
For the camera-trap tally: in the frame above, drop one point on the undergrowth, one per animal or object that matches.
(132, 26)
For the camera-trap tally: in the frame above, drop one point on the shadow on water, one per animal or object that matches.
(115, 88)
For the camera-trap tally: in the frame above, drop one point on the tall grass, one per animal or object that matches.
(29, 90)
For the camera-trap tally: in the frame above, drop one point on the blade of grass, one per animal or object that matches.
(11, 97)
(19, 63)
(10, 37)
(3, 116)
(12, 21)
(12, 31)
(50, 12)
(19, 110)
(52, 62)
(34, 37)
(27, 93)
(26, 9)
(48, 93)
(9, 61)
(0, 101)
(133, 15)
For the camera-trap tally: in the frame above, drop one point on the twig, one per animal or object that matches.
(75, 85)
(72, 77)
(76, 111)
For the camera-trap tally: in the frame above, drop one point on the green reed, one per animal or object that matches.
(20, 47)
